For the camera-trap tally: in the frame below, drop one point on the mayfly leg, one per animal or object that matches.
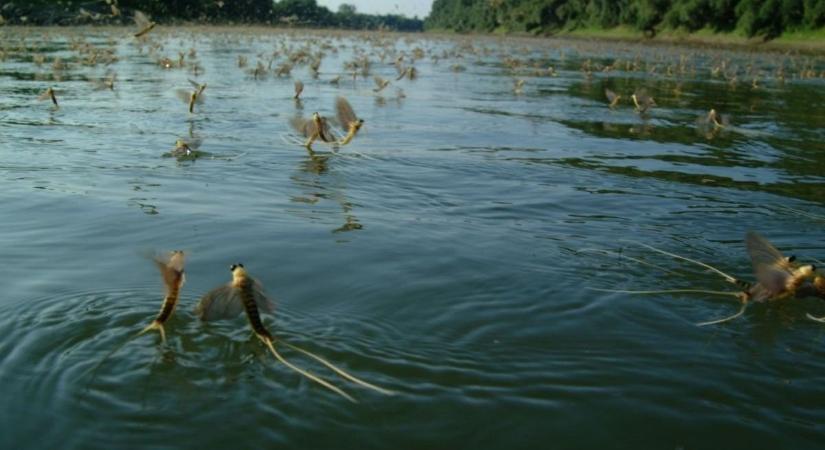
(337, 370)
(155, 325)
(312, 377)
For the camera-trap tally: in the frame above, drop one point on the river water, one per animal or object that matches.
(447, 253)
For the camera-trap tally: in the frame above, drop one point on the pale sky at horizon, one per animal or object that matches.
(408, 8)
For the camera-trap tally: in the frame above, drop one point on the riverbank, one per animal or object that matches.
(804, 41)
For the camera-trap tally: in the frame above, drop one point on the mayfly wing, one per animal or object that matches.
(44, 96)
(299, 87)
(170, 266)
(194, 143)
(184, 95)
(611, 96)
(265, 304)
(141, 20)
(769, 265)
(326, 134)
(303, 126)
(379, 82)
(220, 303)
(345, 113)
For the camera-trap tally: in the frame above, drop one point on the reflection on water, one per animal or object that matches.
(318, 185)
(475, 197)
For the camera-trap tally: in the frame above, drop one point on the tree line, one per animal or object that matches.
(284, 12)
(767, 18)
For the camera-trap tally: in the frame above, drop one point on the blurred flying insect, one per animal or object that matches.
(612, 97)
(778, 277)
(143, 23)
(410, 73)
(246, 294)
(316, 127)
(642, 101)
(348, 120)
(711, 124)
(259, 72)
(196, 96)
(713, 117)
(518, 86)
(50, 93)
(107, 82)
(380, 83)
(299, 87)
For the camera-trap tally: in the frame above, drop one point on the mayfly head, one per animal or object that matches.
(238, 274)
(176, 259)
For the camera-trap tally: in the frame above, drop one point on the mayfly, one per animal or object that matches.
(49, 94)
(348, 120)
(299, 87)
(143, 23)
(187, 150)
(518, 86)
(612, 97)
(171, 272)
(712, 118)
(196, 96)
(778, 277)
(642, 101)
(317, 127)
(409, 73)
(107, 82)
(711, 124)
(246, 294)
(380, 83)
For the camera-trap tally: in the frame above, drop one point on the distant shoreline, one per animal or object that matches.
(806, 42)
(810, 42)
(813, 43)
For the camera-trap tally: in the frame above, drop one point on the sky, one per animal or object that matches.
(408, 8)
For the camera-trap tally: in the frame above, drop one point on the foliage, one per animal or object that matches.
(768, 18)
(289, 12)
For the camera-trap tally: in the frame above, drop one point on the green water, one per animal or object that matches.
(443, 254)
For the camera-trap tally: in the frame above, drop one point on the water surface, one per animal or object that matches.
(444, 254)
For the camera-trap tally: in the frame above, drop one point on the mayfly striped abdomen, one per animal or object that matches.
(251, 308)
(246, 294)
